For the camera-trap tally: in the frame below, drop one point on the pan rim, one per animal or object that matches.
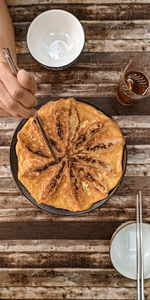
(49, 208)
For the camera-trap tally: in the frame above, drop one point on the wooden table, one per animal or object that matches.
(45, 256)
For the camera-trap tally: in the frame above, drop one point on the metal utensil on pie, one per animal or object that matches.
(14, 69)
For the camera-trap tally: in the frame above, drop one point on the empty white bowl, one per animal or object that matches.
(55, 38)
(123, 250)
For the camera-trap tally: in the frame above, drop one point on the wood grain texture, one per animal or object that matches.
(57, 230)
(130, 134)
(134, 121)
(81, 293)
(33, 214)
(47, 259)
(103, 46)
(85, 11)
(101, 61)
(129, 185)
(50, 277)
(132, 170)
(12, 201)
(29, 2)
(97, 30)
(137, 154)
(55, 245)
(46, 256)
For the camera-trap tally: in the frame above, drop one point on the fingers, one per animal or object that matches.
(16, 91)
(27, 81)
(12, 107)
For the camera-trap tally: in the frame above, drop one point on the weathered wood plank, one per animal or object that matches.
(9, 185)
(107, 103)
(137, 156)
(4, 155)
(133, 136)
(6, 137)
(50, 259)
(83, 11)
(57, 230)
(49, 91)
(77, 77)
(121, 30)
(134, 121)
(116, 45)
(136, 136)
(34, 214)
(15, 208)
(96, 30)
(7, 201)
(110, 105)
(46, 91)
(101, 91)
(136, 183)
(5, 171)
(9, 123)
(64, 277)
(14, 201)
(104, 61)
(29, 2)
(134, 45)
(129, 185)
(132, 170)
(54, 246)
(79, 293)
(137, 170)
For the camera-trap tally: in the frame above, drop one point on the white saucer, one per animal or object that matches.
(123, 250)
(55, 38)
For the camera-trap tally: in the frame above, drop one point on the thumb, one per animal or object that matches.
(26, 80)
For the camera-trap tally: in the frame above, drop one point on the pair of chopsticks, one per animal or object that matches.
(14, 70)
(139, 248)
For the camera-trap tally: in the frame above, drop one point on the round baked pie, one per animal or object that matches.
(89, 147)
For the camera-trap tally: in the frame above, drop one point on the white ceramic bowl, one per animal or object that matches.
(55, 38)
(123, 250)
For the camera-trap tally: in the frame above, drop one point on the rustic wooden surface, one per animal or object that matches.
(44, 256)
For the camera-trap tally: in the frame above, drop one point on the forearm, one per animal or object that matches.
(7, 37)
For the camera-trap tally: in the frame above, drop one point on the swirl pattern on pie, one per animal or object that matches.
(89, 146)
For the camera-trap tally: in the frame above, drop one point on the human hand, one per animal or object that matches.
(16, 93)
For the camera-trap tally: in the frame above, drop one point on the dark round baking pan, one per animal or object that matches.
(49, 208)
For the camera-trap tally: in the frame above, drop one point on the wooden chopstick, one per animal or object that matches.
(139, 248)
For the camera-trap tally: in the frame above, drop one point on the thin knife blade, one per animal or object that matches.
(45, 137)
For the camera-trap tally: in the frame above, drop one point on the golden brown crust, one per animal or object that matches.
(89, 146)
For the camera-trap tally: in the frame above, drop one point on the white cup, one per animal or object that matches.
(55, 39)
(123, 249)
